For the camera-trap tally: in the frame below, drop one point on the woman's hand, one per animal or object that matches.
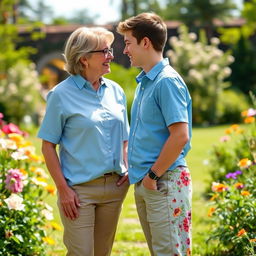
(69, 202)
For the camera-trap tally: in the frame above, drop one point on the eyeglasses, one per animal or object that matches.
(105, 51)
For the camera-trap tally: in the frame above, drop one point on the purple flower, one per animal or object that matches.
(233, 175)
(14, 180)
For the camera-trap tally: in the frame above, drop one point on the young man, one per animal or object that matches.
(159, 139)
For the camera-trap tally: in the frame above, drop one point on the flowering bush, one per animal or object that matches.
(233, 197)
(24, 216)
(20, 92)
(204, 67)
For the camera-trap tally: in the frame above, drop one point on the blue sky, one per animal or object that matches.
(108, 10)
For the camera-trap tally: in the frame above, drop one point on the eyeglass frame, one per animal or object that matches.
(106, 51)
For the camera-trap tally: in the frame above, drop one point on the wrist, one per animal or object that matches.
(152, 175)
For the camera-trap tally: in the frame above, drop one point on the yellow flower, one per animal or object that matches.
(228, 131)
(253, 240)
(245, 193)
(239, 185)
(56, 226)
(244, 163)
(48, 240)
(50, 189)
(241, 232)
(16, 137)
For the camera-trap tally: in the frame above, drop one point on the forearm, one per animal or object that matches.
(171, 149)
(53, 164)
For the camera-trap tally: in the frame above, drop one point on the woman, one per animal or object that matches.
(86, 115)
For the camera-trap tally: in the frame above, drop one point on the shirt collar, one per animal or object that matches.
(81, 82)
(153, 72)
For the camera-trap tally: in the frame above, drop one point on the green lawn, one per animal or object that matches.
(130, 240)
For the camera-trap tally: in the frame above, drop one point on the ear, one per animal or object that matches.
(146, 42)
(83, 61)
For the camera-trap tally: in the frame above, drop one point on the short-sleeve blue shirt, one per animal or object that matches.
(161, 99)
(89, 126)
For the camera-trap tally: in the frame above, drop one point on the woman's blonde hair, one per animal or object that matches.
(80, 43)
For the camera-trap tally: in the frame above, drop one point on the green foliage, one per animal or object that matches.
(243, 73)
(19, 93)
(126, 79)
(204, 68)
(23, 213)
(233, 201)
(230, 106)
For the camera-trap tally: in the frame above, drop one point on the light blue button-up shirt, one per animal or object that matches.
(89, 126)
(161, 99)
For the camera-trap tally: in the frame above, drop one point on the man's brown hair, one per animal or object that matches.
(146, 25)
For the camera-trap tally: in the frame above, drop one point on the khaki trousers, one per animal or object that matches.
(92, 233)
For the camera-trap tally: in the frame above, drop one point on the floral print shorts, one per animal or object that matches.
(165, 213)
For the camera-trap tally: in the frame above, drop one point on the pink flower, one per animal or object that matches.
(11, 128)
(186, 224)
(14, 181)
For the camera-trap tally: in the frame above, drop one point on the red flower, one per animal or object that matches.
(185, 178)
(176, 212)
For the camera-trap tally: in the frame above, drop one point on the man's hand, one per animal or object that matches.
(149, 183)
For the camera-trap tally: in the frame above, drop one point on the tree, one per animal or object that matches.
(195, 13)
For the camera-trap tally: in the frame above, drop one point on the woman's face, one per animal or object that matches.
(98, 63)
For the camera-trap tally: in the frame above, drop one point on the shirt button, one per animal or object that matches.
(142, 88)
(130, 166)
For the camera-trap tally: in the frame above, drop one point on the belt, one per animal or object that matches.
(109, 174)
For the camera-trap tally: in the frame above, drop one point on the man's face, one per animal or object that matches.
(133, 49)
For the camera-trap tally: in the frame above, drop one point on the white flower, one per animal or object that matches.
(215, 41)
(192, 36)
(214, 67)
(227, 71)
(15, 202)
(39, 182)
(8, 144)
(18, 155)
(47, 214)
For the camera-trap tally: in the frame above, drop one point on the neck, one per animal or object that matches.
(94, 80)
(152, 60)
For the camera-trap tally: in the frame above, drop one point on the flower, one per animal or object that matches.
(225, 138)
(14, 180)
(50, 189)
(244, 163)
(48, 240)
(233, 175)
(249, 120)
(239, 185)
(56, 226)
(15, 202)
(186, 224)
(241, 232)
(245, 193)
(11, 128)
(218, 187)
(47, 214)
(211, 211)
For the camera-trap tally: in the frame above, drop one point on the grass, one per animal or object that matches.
(129, 239)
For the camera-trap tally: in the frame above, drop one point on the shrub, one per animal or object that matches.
(23, 187)
(20, 92)
(233, 197)
(204, 68)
